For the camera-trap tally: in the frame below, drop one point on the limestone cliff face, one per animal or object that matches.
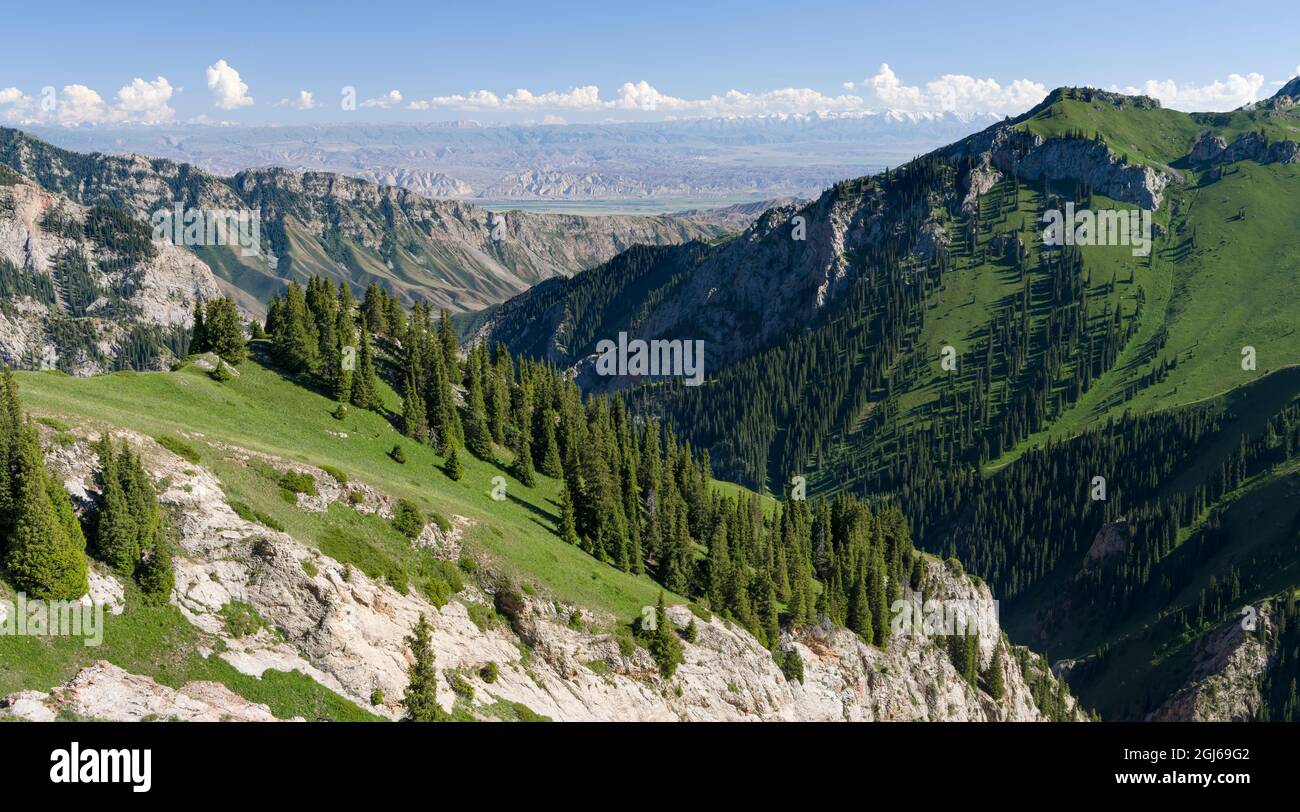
(157, 290)
(347, 632)
(1011, 150)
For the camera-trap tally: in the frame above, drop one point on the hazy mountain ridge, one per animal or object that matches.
(348, 229)
(759, 156)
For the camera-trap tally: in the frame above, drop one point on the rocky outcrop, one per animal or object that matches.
(1250, 146)
(1224, 683)
(104, 692)
(1033, 158)
(347, 631)
(1208, 147)
(978, 181)
(1286, 97)
(1110, 540)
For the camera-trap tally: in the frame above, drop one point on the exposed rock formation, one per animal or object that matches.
(1249, 146)
(1033, 158)
(348, 632)
(105, 692)
(1224, 683)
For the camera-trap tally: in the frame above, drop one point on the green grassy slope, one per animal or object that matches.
(1221, 278)
(263, 411)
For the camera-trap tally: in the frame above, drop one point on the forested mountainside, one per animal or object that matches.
(910, 338)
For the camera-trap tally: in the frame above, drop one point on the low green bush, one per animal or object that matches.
(407, 519)
(298, 482)
(179, 447)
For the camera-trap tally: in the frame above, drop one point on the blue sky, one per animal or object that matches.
(251, 62)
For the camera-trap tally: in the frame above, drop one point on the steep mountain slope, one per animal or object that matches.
(86, 288)
(309, 621)
(450, 253)
(824, 357)
(948, 252)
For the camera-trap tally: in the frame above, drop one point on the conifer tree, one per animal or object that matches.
(117, 541)
(414, 420)
(365, 384)
(374, 311)
(224, 331)
(294, 333)
(546, 451)
(522, 465)
(568, 528)
(10, 424)
(478, 436)
(421, 696)
(455, 469)
(663, 644)
(345, 337)
(450, 346)
(44, 558)
(997, 681)
(155, 573)
(199, 334)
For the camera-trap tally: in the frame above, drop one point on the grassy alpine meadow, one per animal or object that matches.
(265, 411)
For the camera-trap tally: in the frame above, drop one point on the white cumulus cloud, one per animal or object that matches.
(642, 96)
(953, 93)
(140, 102)
(229, 92)
(390, 99)
(144, 102)
(1224, 94)
(305, 100)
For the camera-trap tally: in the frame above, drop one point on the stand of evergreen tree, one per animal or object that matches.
(131, 536)
(43, 546)
(219, 329)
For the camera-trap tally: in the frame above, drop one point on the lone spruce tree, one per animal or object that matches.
(455, 469)
(997, 682)
(421, 696)
(199, 337)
